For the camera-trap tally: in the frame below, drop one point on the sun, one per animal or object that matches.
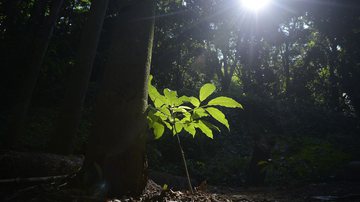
(255, 5)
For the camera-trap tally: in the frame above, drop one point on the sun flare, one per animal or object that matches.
(255, 5)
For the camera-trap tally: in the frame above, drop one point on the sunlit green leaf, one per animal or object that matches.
(178, 109)
(153, 93)
(211, 126)
(186, 118)
(206, 130)
(161, 115)
(184, 98)
(167, 124)
(224, 102)
(206, 90)
(171, 96)
(190, 129)
(178, 128)
(218, 115)
(159, 101)
(158, 130)
(185, 107)
(199, 113)
(193, 100)
(169, 112)
(165, 111)
(152, 117)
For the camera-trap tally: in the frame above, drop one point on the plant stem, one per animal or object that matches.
(182, 152)
(185, 165)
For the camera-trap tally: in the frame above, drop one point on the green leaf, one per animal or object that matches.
(178, 128)
(206, 90)
(193, 100)
(172, 97)
(149, 121)
(218, 115)
(178, 109)
(153, 93)
(165, 111)
(161, 101)
(167, 124)
(152, 117)
(186, 119)
(158, 99)
(224, 102)
(199, 113)
(185, 107)
(206, 130)
(211, 126)
(158, 129)
(170, 94)
(262, 163)
(184, 98)
(161, 115)
(190, 129)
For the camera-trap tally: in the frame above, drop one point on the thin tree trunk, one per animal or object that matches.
(116, 152)
(36, 53)
(333, 57)
(70, 114)
(286, 67)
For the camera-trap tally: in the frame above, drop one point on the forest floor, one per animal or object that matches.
(344, 192)
(339, 191)
(53, 189)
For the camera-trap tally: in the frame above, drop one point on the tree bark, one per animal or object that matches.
(70, 114)
(23, 94)
(116, 152)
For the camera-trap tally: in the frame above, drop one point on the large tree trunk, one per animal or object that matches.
(70, 115)
(116, 152)
(28, 77)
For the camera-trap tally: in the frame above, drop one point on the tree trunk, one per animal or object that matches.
(116, 152)
(255, 175)
(34, 60)
(333, 57)
(70, 115)
(286, 65)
